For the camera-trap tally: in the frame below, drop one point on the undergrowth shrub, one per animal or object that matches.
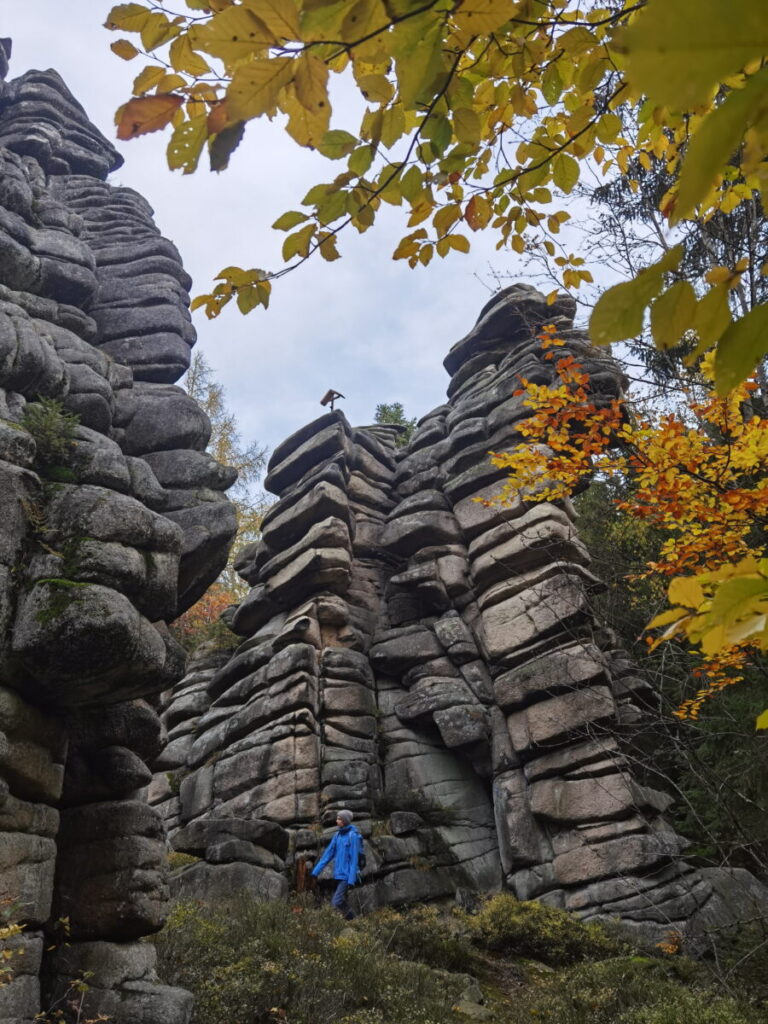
(426, 935)
(262, 962)
(627, 990)
(528, 929)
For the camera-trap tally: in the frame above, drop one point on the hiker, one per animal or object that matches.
(346, 852)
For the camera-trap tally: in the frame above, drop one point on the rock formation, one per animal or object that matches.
(114, 521)
(428, 658)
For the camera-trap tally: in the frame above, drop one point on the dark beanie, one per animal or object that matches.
(345, 816)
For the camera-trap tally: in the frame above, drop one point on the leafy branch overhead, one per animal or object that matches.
(475, 113)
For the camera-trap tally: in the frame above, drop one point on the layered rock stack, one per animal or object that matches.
(428, 658)
(114, 521)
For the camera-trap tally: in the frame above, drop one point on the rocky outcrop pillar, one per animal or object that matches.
(429, 657)
(114, 521)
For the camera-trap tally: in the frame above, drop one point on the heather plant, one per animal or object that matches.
(529, 929)
(266, 962)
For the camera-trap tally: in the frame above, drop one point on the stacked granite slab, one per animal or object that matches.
(429, 658)
(294, 725)
(103, 544)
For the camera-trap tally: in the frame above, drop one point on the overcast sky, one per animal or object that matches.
(366, 325)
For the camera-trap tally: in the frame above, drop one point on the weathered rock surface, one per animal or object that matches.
(430, 662)
(107, 536)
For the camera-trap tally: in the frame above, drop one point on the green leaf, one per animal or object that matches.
(565, 172)
(717, 139)
(289, 220)
(481, 17)
(672, 314)
(248, 298)
(608, 128)
(418, 53)
(360, 160)
(316, 195)
(337, 143)
(393, 124)
(677, 53)
(412, 183)
(741, 348)
(736, 598)
(332, 207)
(551, 83)
(439, 132)
(297, 244)
(466, 125)
(713, 314)
(618, 314)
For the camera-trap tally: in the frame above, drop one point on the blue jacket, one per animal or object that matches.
(344, 850)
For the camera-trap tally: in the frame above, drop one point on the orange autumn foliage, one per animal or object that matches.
(201, 622)
(700, 476)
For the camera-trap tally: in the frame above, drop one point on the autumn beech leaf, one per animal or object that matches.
(711, 319)
(481, 17)
(147, 114)
(327, 244)
(224, 143)
(337, 143)
(157, 30)
(124, 49)
(184, 58)
(187, 143)
(147, 79)
(565, 172)
(717, 138)
(672, 314)
(418, 54)
(761, 722)
(311, 84)
(298, 243)
(305, 126)
(280, 16)
(618, 313)
(678, 53)
(217, 118)
(741, 348)
(667, 618)
(478, 212)
(255, 87)
(289, 220)
(232, 35)
(128, 17)
(460, 243)
(466, 125)
(687, 591)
